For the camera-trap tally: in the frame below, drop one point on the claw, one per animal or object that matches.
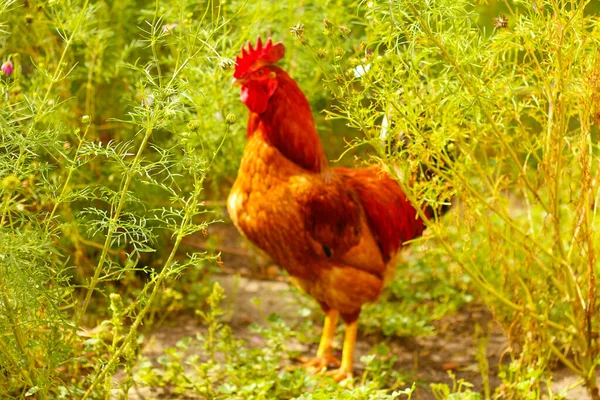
(339, 374)
(317, 364)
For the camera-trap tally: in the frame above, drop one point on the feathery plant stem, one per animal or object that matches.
(29, 370)
(55, 78)
(72, 168)
(191, 208)
(465, 80)
(153, 40)
(113, 221)
(5, 204)
(478, 278)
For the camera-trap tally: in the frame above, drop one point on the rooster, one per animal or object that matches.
(336, 231)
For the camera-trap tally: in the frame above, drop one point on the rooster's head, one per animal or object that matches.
(256, 75)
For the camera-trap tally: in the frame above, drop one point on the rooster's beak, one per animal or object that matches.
(237, 82)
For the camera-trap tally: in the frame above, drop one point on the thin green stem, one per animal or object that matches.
(564, 359)
(55, 78)
(153, 43)
(5, 207)
(481, 281)
(20, 339)
(114, 223)
(65, 188)
(42, 106)
(132, 334)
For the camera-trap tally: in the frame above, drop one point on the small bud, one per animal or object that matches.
(321, 53)
(327, 23)
(185, 137)
(338, 53)
(85, 119)
(344, 30)
(7, 68)
(501, 22)
(230, 119)
(10, 182)
(298, 30)
(193, 125)
(28, 19)
(226, 63)
(116, 304)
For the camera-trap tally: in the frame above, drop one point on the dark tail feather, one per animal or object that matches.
(427, 170)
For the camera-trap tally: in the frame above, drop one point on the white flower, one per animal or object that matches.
(359, 71)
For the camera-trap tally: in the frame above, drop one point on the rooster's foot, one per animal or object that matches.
(319, 363)
(339, 374)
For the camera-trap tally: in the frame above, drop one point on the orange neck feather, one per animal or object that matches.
(288, 125)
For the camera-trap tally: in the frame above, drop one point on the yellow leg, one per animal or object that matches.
(324, 355)
(326, 343)
(345, 370)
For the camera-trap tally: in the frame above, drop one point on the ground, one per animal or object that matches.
(426, 359)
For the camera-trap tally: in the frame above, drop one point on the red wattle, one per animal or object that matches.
(255, 98)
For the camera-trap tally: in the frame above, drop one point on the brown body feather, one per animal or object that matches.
(293, 214)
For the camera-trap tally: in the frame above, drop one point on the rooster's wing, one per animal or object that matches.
(338, 226)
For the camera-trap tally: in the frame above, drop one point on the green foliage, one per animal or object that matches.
(117, 124)
(409, 306)
(217, 365)
(104, 181)
(460, 390)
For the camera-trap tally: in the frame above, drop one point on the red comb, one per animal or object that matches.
(269, 54)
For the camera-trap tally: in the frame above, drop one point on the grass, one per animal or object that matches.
(118, 131)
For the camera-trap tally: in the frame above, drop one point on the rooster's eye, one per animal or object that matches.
(260, 72)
